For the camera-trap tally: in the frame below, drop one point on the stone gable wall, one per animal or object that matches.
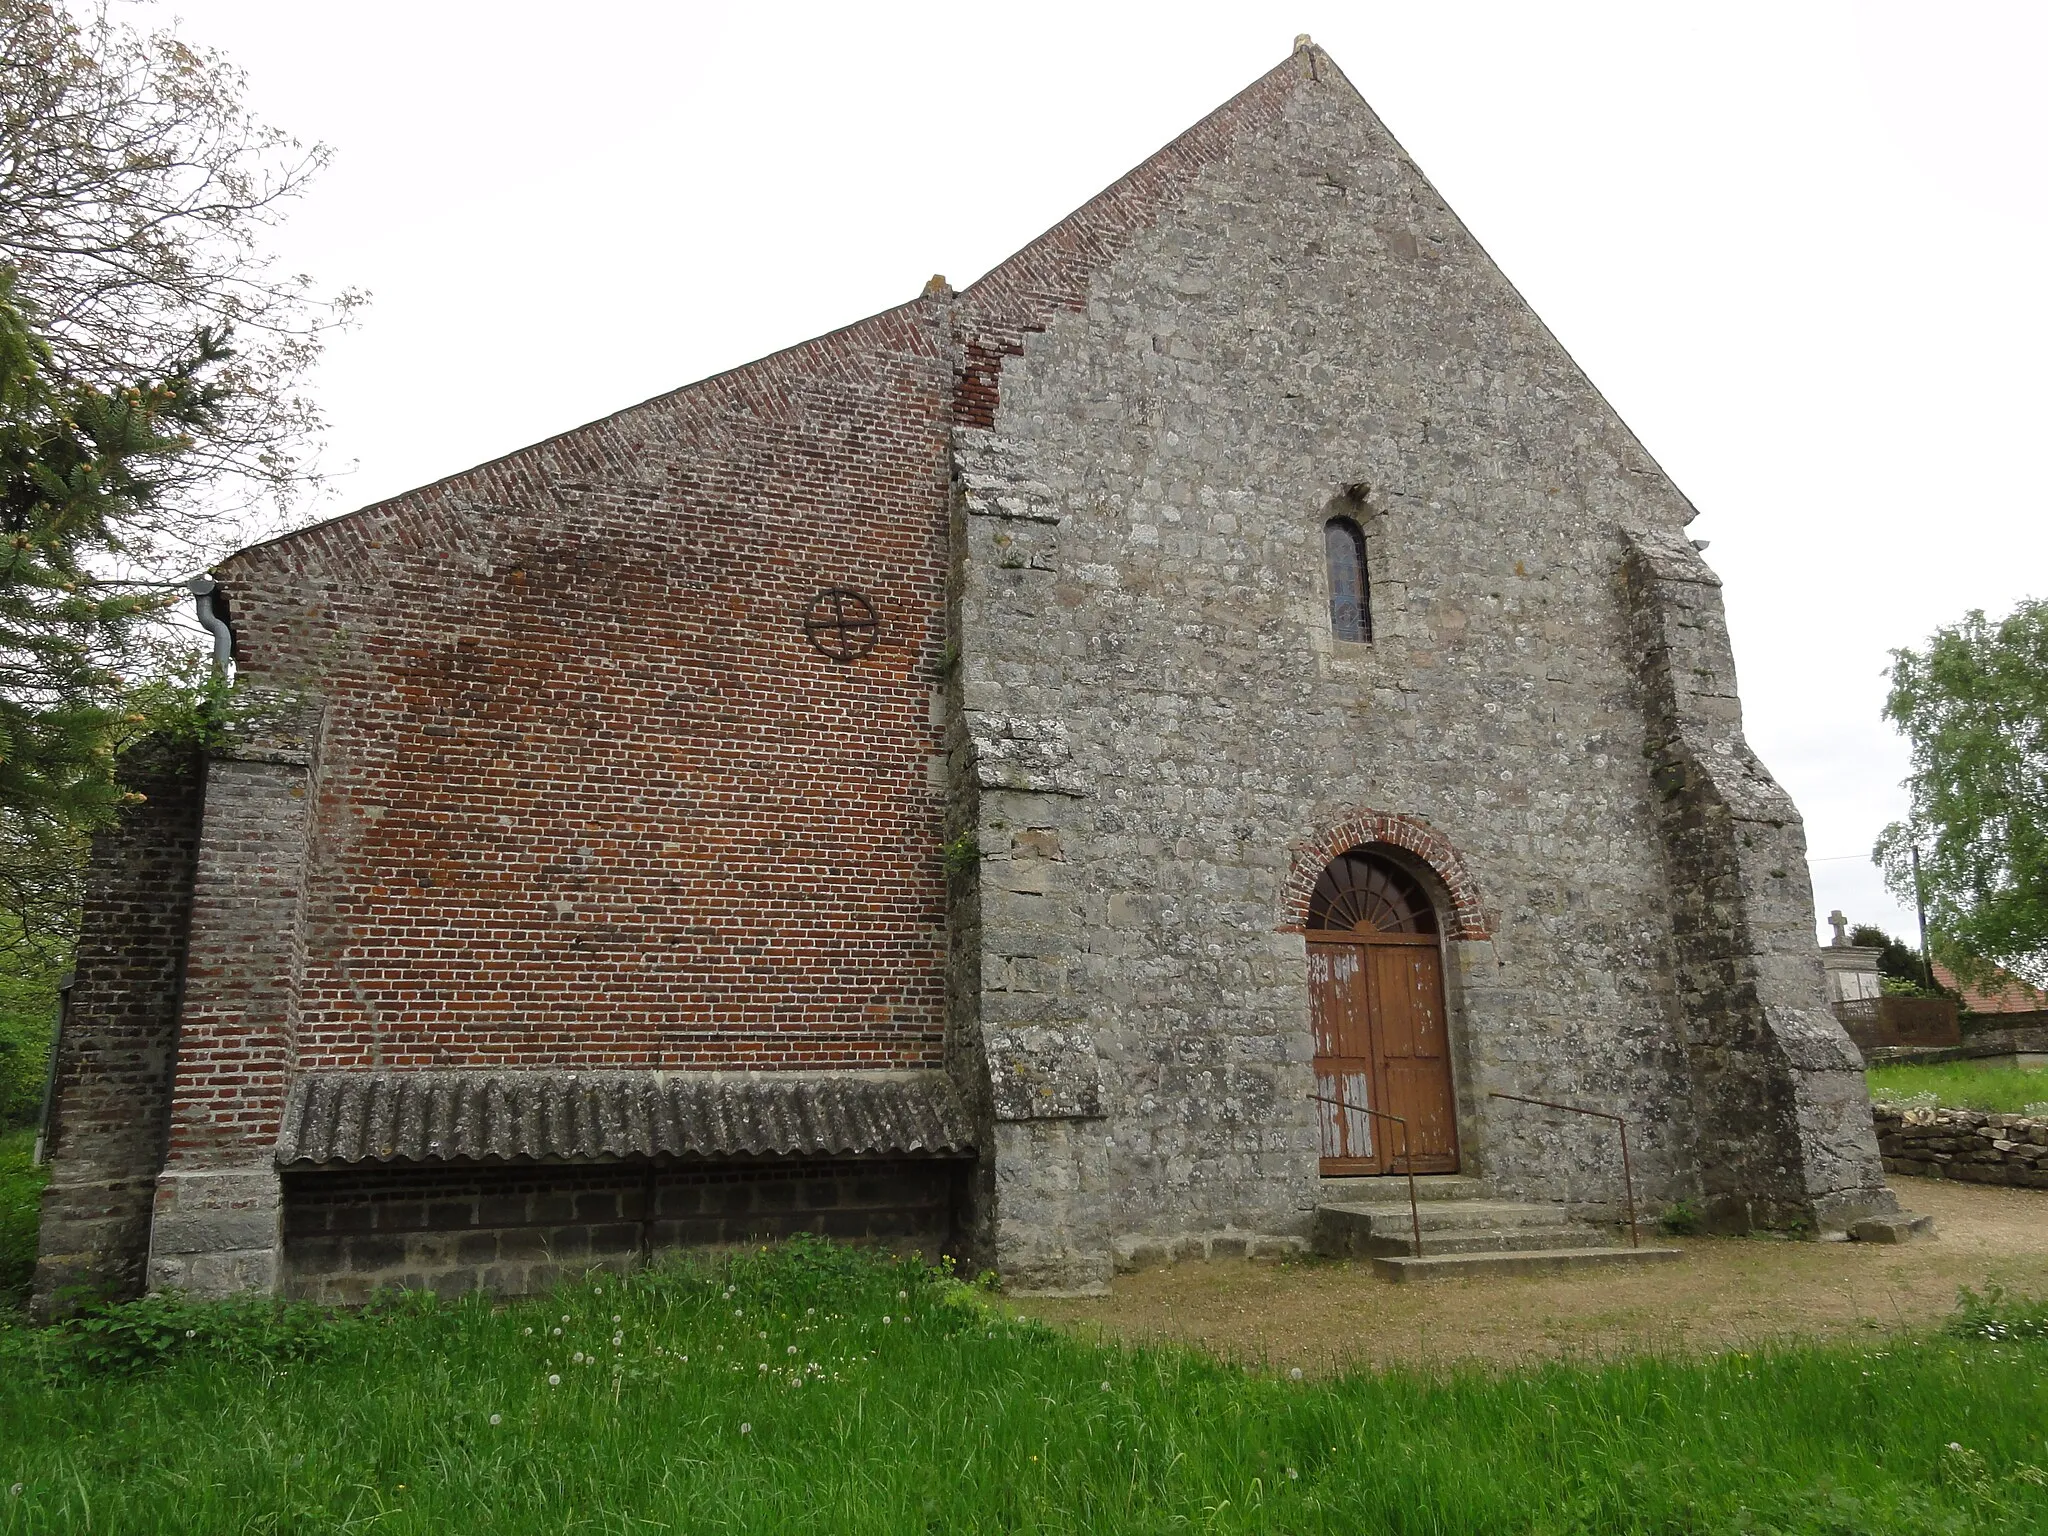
(1155, 717)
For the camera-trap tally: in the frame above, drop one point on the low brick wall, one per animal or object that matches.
(517, 1230)
(1966, 1144)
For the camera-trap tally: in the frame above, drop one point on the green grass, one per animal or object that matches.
(1962, 1085)
(926, 1406)
(21, 1190)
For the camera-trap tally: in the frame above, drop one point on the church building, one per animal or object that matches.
(1089, 768)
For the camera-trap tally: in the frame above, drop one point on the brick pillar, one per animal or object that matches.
(218, 1201)
(110, 1110)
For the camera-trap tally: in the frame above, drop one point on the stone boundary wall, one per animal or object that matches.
(1966, 1144)
(2005, 1041)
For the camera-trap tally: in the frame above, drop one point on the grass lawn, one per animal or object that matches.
(811, 1389)
(21, 1189)
(1962, 1085)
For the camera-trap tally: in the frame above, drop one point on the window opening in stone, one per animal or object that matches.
(1361, 893)
(1350, 608)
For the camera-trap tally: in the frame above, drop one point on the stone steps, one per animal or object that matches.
(1354, 1190)
(1451, 1266)
(1465, 1232)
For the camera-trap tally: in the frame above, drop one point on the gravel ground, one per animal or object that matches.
(1324, 1315)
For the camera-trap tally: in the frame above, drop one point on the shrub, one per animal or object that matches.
(1997, 1316)
(123, 1338)
(1680, 1219)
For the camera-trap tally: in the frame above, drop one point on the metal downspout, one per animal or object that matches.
(202, 589)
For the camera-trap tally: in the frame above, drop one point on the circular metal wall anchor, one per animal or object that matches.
(842, 624)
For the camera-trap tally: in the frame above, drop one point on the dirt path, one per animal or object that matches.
(1727, 1292)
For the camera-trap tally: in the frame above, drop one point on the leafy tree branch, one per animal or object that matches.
(1974, 706)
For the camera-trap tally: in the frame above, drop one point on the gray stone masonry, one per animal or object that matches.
(1154, 718)
(1972, 1145)
(1782, 1111)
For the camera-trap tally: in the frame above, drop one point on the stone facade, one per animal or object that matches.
(569, 782)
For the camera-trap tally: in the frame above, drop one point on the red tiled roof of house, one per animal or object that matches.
(2006, 994)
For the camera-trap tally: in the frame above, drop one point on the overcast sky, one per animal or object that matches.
(1798, 246)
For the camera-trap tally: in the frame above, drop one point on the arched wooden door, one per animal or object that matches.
(1376, 1003)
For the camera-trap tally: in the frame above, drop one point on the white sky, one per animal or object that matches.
(1798, 245)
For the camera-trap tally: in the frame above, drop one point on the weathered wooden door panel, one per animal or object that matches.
(1343, 1058)
(1407, 1017)
(1377, 1012)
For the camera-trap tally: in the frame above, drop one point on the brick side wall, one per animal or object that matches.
(516, 1231)
(589, 795)
(114, 1059)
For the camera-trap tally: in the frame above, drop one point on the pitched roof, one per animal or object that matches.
(482, 1115)
(2005, 993)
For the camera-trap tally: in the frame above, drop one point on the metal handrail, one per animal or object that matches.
(1408, 1162)
(1628, 1182)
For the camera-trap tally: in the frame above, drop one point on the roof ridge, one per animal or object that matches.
(754, 383)
(1014, 291)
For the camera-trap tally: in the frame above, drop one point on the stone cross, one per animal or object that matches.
(1841, 926)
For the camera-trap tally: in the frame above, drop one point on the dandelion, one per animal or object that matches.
(903, 1295)
(1295, 1374)
(764, 1365)
(792, 1349)
(810, 1311)
(15, 1491)
(1292, 1475)
(556, 1331)
(739, 1311)
(1105, 1386)
(577, 1358)
(527, 1331)
(597, 1290)
(497, 1419)
(746, 1429)
(1955, 1445)
(191, 1333)
(885, 1317)
(615, 1317)
(565, 1317)
(618, 1339)
(554, 1381)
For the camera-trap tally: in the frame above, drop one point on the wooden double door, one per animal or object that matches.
(1376, 1003)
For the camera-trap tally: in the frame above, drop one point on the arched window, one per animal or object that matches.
(1350, 607)
(1364, 893)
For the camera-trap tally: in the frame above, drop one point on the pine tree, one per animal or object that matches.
(77, 463)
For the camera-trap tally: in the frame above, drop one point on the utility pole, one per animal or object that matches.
(1920, 902)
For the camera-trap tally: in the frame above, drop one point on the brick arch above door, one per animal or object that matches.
(1468, 917)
